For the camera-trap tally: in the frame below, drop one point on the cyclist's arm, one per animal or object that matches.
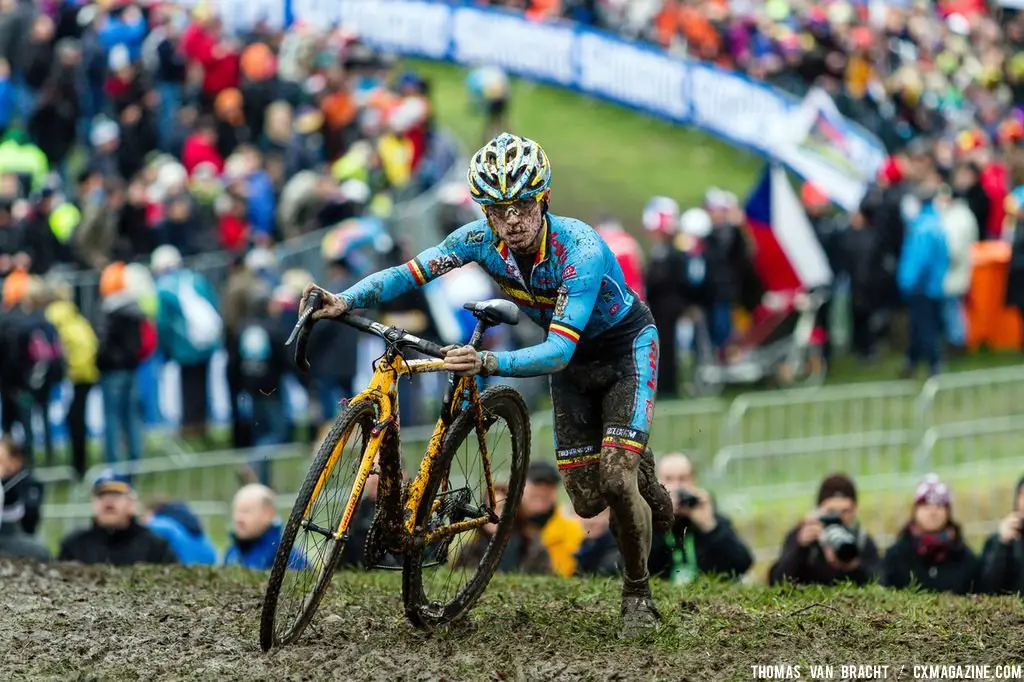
(566, 325)
(387, 285)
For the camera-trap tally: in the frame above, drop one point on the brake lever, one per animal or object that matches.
(303, 327)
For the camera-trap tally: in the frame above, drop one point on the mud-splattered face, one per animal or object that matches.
(518, 224)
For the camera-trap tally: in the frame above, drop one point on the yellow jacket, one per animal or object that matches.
(78, 339)
(562, 536)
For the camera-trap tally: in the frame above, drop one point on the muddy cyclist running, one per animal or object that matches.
(601, 349)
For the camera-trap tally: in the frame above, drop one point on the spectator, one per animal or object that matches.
(23, 493)
(560, 534)
(664, 295)
(701, 540)
(1002, 560)
(333, 351)
(19, 498)
(961, 232)
(726, 255)
(126, 338)
(260, 360)
(81, 348)
(856, 248)
(54, 122)
(189, 330)
(7, 102)
(524, 553)
(828, 546)
(930, 551)
(34, 360)
(257, 531)
(175, 523)
(116, 536)
(923, 264)
(599, 554)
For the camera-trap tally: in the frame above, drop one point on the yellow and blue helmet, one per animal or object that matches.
(508, 168)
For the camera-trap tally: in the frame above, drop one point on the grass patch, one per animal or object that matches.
(159, 623)
(605, 158)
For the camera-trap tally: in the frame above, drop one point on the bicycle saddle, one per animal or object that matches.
(495, 311)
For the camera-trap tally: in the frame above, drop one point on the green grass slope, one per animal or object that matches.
(604, 157)
(151, 623)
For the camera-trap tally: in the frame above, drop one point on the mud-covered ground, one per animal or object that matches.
(72, 622)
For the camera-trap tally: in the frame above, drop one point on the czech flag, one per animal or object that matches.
(789, 256)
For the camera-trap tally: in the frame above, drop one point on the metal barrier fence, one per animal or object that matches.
(763, 455)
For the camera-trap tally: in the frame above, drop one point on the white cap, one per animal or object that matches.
(165, 258)
(695, 222)
(355, 190)
(661, 213)
(119, 57)
(260, 259)
(103, 132)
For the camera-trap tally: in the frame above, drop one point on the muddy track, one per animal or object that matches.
(70, 622)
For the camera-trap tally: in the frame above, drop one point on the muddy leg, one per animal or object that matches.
(583, 484)
(630, 513)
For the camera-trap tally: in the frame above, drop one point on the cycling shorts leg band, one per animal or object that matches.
(572, 458)
(625, 438)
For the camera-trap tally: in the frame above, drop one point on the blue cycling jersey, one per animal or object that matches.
(575, 288)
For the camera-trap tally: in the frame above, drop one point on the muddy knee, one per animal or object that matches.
(618, 475)
(584, 488)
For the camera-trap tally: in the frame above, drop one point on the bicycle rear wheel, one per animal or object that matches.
(309, 552)
(443, 580)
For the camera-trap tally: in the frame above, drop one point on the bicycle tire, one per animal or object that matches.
(510, 406)
(349, 419)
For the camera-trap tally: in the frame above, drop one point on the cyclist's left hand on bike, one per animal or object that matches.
(331, 305)
(463, 360)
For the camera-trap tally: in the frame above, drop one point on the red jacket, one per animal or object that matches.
(995, 181)
(629, 256)
(220, 71)
(196, 150)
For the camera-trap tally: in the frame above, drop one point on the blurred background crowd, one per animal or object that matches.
(138, 138)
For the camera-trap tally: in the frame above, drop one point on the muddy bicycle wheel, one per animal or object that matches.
(309, 552)
(444, 579)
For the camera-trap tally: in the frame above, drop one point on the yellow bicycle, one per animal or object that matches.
(447, 521)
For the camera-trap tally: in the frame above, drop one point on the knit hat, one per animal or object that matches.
(931, 490)
(837, 485)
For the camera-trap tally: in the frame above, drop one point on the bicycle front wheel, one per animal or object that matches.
(315, 535)
(442, 581)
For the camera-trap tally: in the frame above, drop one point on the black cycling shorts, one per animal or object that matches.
(605, 396)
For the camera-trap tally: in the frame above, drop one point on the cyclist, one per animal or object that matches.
(601, 349)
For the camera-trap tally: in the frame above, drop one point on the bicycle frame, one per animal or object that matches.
(383, 391)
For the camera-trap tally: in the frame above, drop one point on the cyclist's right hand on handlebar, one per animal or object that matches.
(331, 305)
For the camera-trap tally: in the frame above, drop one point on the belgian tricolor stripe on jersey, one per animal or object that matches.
(523, 298)
(419, 274)
(565, 330)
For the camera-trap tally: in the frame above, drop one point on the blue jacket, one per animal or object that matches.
(259, 554)
(172, 320)
(119, 32)
(925, 257)
(261, 203)
(189, 547)
(574, 288)
(6, 102)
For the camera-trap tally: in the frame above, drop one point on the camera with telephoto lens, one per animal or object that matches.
(687, 499)
(836, 535)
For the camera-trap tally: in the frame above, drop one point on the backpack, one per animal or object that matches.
(203, 324)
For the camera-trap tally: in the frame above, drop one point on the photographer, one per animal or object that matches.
(1002, 560)
(828, 546)
(700, 540)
